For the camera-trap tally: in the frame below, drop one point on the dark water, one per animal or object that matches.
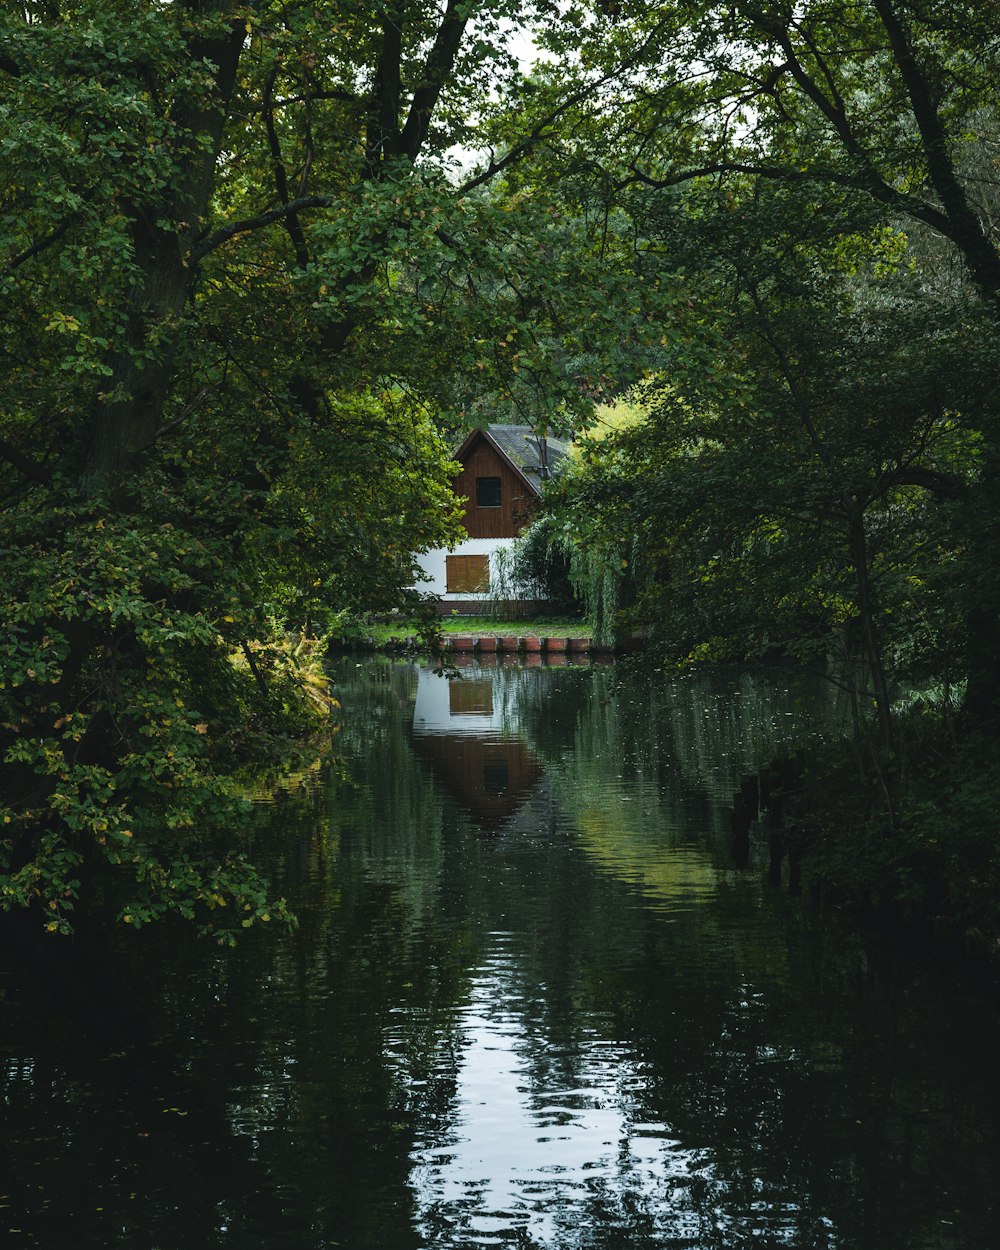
(531, 1003)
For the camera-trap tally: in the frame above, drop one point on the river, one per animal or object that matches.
(531, 1002)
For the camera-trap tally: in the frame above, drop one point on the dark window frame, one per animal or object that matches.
(491, 488)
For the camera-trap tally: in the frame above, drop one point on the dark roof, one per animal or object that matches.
(521, 446)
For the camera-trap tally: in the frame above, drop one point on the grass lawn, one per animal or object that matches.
(487, 625)
(538, 629)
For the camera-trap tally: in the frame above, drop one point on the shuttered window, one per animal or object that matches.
(467, 574)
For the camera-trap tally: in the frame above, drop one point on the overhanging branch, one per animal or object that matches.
(27, 467)
(866, 181)
(943, 485)
(52, 237)
(535, 135)
(248, 224)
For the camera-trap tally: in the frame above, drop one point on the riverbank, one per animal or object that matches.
(555, 641)
(518, 647)
(932, 871)
(385, 633)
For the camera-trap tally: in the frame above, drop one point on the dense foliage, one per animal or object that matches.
(814, 472)
(259, 262)
(245, 287)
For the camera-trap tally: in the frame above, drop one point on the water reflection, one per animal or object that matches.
(540, 1131)
(591, 1031)
(466, 726)
(531, 1121)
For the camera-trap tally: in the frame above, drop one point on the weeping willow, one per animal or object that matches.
(509, 584)
(547, 563)
(596, 577)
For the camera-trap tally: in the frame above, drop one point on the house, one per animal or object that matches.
(504, 470)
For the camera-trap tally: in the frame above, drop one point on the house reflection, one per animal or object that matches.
(466, 729)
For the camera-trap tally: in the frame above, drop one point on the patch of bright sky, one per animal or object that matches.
(463, 159)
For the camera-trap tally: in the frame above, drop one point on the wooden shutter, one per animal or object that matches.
(467, 574)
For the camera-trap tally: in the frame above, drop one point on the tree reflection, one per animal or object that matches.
(588, 1031)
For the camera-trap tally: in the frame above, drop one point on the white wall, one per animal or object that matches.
(433, 564)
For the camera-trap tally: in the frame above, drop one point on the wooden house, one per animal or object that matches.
(504, 470)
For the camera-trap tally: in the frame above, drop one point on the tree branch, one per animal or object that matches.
(966, 230)
(944, 485)
(537, 132)
(292, 225)
(248, 224)
(183, 415)
(437, 67)
(831, 108)
(27, 467)
(52, 237)
(909, 205)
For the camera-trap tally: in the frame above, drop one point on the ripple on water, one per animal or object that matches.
(515, 1159)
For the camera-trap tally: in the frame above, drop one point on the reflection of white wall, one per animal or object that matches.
(432, 563)
(432, 712)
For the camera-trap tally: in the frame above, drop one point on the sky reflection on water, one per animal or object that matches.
(521, 1157)
(532, 1002)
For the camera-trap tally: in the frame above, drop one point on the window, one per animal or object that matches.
(487, 492)
(467, 574)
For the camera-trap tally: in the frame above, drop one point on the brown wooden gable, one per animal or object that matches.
(481, 458)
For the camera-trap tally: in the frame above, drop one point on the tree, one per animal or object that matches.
(239, 279)
(851, 108)
(775, 495)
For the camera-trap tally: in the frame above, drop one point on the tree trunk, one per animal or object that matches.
(872, 643)
(123, 426)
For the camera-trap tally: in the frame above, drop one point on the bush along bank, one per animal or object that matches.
(915, 846)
